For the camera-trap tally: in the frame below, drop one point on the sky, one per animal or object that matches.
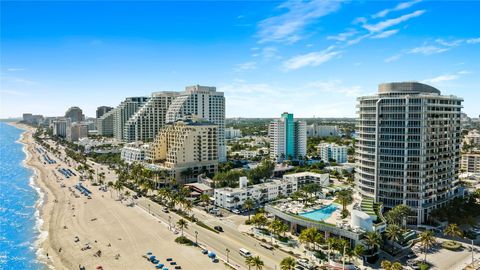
(310, 58)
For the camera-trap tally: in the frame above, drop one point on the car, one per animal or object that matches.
(236, 211)
(411, 256)
(218, 228)
(165, 210)
(269, 247)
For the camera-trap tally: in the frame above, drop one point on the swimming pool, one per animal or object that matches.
(320, 214)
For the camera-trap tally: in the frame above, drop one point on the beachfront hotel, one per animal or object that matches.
(186, 148)
(123, 112)
(61, 127)
(288, 138)
(408, 149)
(202, 102)
(145, 124)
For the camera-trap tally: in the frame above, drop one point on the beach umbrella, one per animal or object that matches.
(212, 255)
(152, 257)
(160, 265)
(149, 253)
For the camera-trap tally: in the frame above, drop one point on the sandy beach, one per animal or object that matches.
(121, 233)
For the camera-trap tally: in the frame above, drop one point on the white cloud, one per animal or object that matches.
(473, 40)
(15, 69)
(343, 36)
(441, 78)
(392, 58)
(246, 66)
(310, 59)
(336, 87)
(449, 43)
(18, 80)
(386, 34)
(358, 39)
(427, 50)
(12, 92)
(380, 26)
(288, 27)
(400, 6)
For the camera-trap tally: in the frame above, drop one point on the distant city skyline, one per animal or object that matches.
(310, 58)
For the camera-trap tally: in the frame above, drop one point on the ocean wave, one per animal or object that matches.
(42, 234)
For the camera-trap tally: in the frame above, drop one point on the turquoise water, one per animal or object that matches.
(18, 201)
(320, 214)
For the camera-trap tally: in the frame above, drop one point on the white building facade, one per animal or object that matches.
(316, 130)
(123, 112)
(408, 147)
(145, 124)
(332, 151)
(134, 152)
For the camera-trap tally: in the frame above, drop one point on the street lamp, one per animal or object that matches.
(196, 235)
(228, 251)
(148, 208)
(472, 253)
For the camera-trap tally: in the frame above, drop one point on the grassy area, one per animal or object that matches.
(184, 241)
(205, 226)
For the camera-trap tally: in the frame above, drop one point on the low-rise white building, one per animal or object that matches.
(303, 178)
(233, 198)
(134, 152)
(231, 133)
(329, 151)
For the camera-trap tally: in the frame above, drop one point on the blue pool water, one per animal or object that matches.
(320, 214)
(18, 205)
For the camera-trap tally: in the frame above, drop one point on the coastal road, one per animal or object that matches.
(230, 239)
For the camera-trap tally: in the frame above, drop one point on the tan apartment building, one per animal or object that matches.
(185, 149)
(471, 162)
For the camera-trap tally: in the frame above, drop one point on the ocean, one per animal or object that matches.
(19, 201)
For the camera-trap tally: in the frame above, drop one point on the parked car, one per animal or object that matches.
(236, 211)
(218, 228)
(165, 210)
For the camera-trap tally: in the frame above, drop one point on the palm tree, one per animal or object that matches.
(205, 199)
(388, 265)
(307, 236)
(427, 240)
(257, 263)
(345, 197)
(183, 224)
(127, 194)
(453, 230)
(249, 261)
(288, 263)
(248, 205)
(394, 232)
(372, 240)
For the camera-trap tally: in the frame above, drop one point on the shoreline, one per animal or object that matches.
(73, 229)
(41, 242)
